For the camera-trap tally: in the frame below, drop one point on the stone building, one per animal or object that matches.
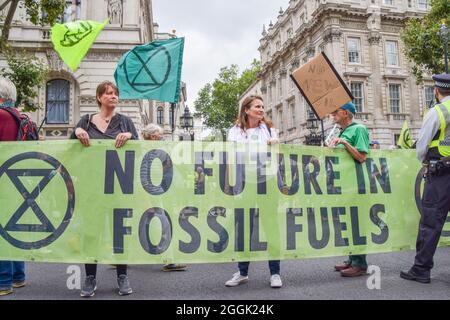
(362, 40)
(68, 95)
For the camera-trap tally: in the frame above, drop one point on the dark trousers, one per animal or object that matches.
(91, 269)
(274, 267)
(435, 207)
(10, 272)
(358, 260)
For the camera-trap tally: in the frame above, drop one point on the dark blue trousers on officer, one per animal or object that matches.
(435, 207)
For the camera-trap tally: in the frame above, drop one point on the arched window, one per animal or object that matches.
(57, 101)
(160, 115)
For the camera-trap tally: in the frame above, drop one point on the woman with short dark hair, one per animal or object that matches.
(106, 124)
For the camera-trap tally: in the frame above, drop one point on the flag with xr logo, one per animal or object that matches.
(151, 71)
(72, 40)
(405, 140)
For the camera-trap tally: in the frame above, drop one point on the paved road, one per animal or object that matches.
(306, 279)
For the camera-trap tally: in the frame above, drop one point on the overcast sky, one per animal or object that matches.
(218, 33)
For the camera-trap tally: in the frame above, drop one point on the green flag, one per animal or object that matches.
(405, 141)
(151, 71)
(72, 40)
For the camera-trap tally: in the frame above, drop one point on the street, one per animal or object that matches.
(302, 279)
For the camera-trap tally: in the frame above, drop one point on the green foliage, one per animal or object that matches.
(28, 73)
(44, 12)
(218, 103)
(423, 45)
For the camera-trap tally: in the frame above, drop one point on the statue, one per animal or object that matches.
(115, 11)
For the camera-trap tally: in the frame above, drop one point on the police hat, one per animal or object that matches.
(442, 80)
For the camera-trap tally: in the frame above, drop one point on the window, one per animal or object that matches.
(302, 19)
(424, 4)
(160, 115)
(388, 2)
(396, 137)
(292, 109)
(280, 119)
(278, 45)
(354, 50)
(58, 101)
(394, 97)
(72, 11)
(392, 53)
(289, 33)
(358, 94)
(429, 96)
(280, 88)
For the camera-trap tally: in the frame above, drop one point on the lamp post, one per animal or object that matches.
(172, 107)
(313, 138)
(444, 33)
(187, 122)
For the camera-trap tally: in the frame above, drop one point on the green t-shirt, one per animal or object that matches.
(357, 136)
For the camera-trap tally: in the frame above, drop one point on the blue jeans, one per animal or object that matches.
(274, 267)
(11, 271)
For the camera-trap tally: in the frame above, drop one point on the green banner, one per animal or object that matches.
(151, 71)
(159, 202)
(72, 40)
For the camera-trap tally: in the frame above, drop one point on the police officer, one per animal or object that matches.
(433, 149)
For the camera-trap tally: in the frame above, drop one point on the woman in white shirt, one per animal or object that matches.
(252, 127)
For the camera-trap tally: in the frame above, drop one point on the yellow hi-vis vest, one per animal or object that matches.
(442, 143)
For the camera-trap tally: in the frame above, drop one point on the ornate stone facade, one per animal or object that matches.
(131, 25)
(361, 38)
(115, 11)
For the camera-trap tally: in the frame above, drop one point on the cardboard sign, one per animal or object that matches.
(321, 86)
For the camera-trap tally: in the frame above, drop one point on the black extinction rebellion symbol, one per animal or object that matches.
(138, 67)
(74, 35)
(29, 202)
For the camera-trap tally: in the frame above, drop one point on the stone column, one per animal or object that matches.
(332, 40)
(375, 79)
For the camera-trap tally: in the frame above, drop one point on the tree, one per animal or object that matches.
(27, 73)
(218, 103)
(423, 45)
(41, 12)
(25, 70)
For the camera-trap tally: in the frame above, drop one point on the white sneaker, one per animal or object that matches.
(275, 281)
(236, 280)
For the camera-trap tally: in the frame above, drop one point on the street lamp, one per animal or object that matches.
(444, 33)
(313, 138)
(172, 108)
(187, 122)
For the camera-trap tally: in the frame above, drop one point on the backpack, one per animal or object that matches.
(27, 128)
